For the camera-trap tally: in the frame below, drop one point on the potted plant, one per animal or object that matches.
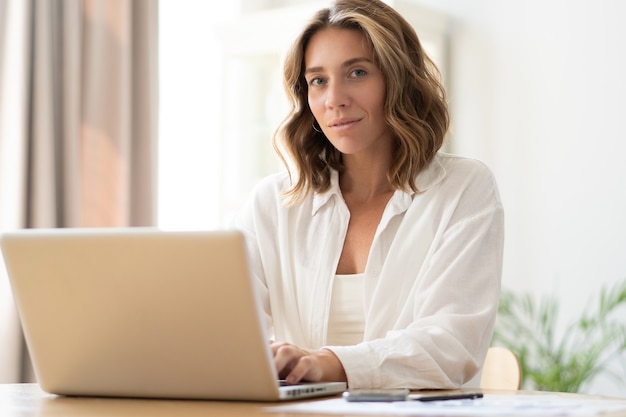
(566, 360)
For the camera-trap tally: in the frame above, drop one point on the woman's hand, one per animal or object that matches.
(295, 364)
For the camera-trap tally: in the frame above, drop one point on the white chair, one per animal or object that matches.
(501, 370)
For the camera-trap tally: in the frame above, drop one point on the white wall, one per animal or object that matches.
(538, 92)
(190, 65)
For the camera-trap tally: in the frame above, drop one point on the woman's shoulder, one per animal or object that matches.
(263, 201)
(449, 170)
(464, 169)
(458, 175)
(270, 190)
(462, 164)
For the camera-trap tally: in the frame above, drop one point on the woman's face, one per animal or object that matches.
(346, 92)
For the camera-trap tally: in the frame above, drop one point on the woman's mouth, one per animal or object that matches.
(343, 123)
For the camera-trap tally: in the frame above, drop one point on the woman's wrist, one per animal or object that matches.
(333, 368)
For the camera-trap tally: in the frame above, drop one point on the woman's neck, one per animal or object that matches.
(364, 181)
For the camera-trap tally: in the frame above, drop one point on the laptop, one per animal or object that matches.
(140, 312)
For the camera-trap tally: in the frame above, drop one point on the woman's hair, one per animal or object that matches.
(415, 106)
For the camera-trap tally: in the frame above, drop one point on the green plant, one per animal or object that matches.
(566, 360)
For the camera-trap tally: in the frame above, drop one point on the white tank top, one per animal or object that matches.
(346, 322)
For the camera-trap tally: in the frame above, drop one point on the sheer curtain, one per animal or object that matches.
(78, 137)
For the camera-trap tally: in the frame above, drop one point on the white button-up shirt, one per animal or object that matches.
(431, 284)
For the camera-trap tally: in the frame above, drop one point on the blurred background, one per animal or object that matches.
(161, 113)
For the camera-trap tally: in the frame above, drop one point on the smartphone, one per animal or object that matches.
(376, 395)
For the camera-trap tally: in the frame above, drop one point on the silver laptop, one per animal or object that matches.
(144, 313)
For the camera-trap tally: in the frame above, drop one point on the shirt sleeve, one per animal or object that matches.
(249, 220)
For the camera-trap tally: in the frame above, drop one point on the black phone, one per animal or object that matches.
(376, 395)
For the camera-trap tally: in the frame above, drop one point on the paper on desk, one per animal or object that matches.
(489, 405)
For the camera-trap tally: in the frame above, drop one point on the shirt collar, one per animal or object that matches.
(432, 174)
(320, 199)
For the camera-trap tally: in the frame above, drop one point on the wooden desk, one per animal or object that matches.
(26, 400)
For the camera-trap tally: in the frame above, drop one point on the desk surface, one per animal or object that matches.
(26, 400)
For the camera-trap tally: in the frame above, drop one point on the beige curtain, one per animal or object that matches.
(78, 118)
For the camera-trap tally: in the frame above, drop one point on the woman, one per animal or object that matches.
(379, 258)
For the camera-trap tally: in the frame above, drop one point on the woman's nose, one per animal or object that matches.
(337, 95)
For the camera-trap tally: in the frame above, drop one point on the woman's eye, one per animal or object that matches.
(359, 73)
(316, 81)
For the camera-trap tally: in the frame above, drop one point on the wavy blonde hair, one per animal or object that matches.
(415, 104)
